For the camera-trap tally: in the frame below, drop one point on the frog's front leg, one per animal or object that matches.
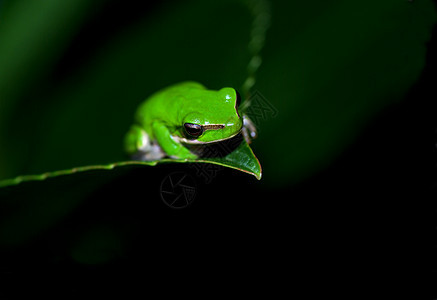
(170, 146)
(249, 129)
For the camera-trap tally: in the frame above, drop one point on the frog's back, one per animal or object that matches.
(164, 103)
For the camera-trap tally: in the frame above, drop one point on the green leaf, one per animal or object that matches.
(241, 159)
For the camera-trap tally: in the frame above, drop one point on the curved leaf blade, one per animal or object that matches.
(242, 159)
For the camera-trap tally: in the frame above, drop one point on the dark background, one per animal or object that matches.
(366, 221)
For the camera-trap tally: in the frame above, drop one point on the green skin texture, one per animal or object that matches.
(163, 115)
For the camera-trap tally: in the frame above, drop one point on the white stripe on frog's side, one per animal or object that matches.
(213, 126)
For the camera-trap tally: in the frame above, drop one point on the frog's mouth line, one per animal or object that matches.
(196, 142)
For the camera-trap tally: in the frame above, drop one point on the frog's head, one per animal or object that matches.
(215, 119)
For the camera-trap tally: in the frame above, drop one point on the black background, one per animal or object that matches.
(363, 226)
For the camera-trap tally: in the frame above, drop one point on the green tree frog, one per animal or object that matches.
(185, 114)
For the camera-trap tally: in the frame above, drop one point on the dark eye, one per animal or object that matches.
(193, 130)
(238, 99)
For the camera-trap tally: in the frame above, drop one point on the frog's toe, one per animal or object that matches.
(153, 152)
(249, 129)
(146, 148)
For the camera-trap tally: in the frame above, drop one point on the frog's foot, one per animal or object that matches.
(153, 152)
(141, 146)
(249, 129)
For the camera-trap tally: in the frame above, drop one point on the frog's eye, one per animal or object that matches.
(193, 130)
(238, 101)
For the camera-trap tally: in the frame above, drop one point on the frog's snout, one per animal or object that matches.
(234, 127)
